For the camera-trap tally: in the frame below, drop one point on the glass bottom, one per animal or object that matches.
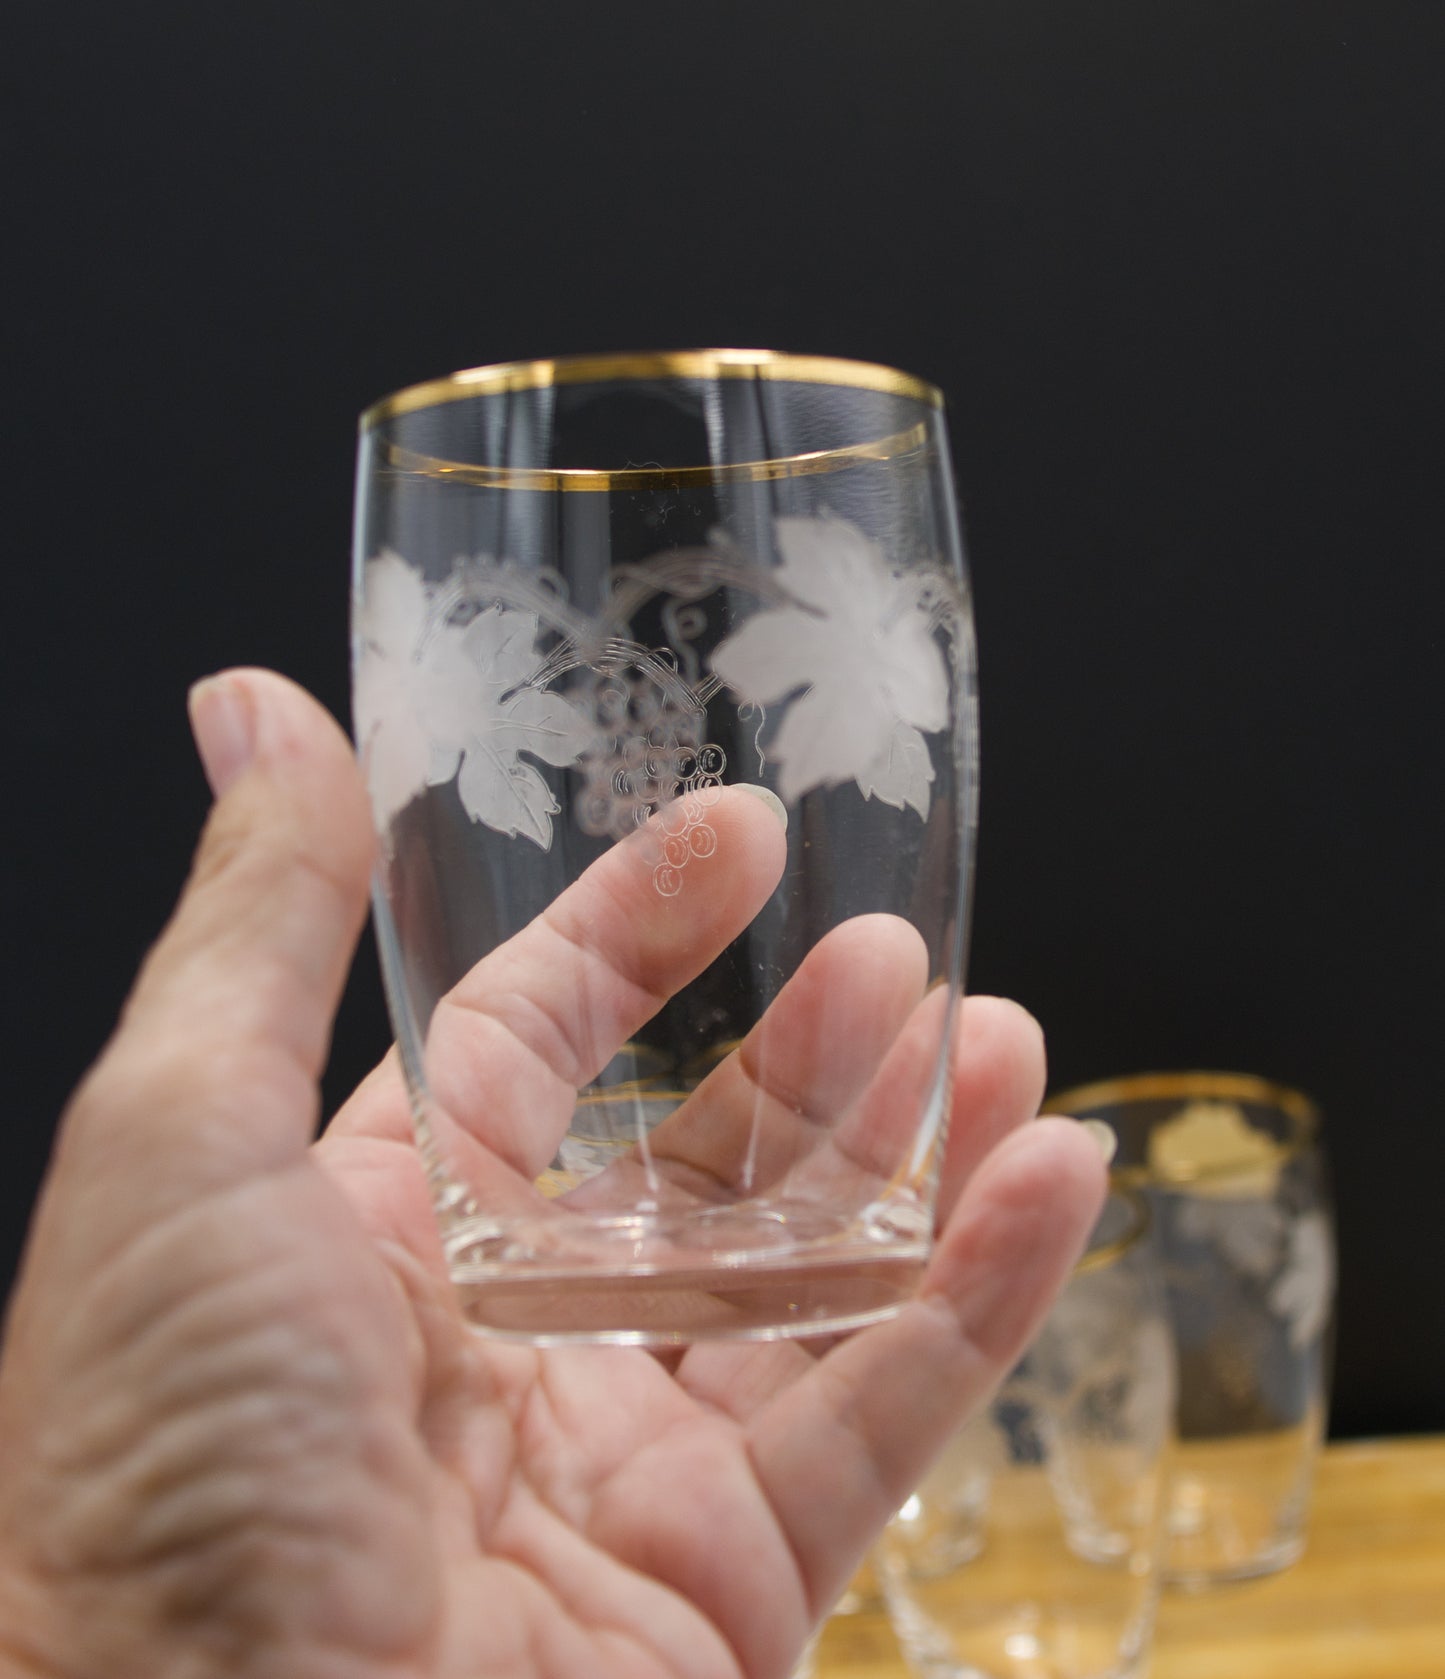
(746, 1272)
(1020, 1642)
(1237, 1506)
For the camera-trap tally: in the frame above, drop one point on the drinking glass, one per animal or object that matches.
(1031, 1550)
(1234, 1172)
(664, 689)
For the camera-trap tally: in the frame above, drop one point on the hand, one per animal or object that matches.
(244, 1429)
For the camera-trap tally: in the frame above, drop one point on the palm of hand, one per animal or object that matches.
(246, 1431)
(310, 1502)
(568, 1508)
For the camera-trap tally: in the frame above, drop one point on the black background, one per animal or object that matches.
(1181, 271)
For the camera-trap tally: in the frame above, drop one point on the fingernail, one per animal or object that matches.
(768, 797)
(224, 729)
(1105, 1139)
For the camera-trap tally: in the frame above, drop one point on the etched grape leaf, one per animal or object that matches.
(437, 698)
(507, 795)
(1302, 1292)
(410, 688)
(902, 773)
(506, 717)
(857, 652)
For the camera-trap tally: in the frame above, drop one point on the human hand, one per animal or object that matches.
(244, 1428)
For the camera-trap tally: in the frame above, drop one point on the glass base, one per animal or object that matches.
(1019, 1642)
(1186, 1576)
(1237, 1506)
(751, 1272)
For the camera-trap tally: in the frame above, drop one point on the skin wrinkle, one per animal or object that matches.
(353, 1590)
(753, 1379)
(814, 994)
(556, 916)
(574, 1052)
(201, 1578)
(197, 1589)
(144, 1256)
(95, 1146)
(166, 1450)
(289, 1445)
(967, 1360)
(461, 1069)
(631, 1641)
(793, 1101)
(185, 1501)
(710, 1434)
(842, 1383)
(474, 1448)
(1016, 1225)
(811, 1606)
(576, 1055)
(529, 1427)
(557, 1583)
(552, 1424)
(509, 1548)
(716, 1178)
(167, 1330)
(494, 1164)
(28, 1660)
(558, 1423)
(770, 1078)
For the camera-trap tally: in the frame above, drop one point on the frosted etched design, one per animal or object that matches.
(472, 678)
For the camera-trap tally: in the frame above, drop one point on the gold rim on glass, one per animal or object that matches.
(507, 377)
(662, 364)
(1297, 1108)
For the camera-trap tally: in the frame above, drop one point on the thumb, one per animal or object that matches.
(212, 1074)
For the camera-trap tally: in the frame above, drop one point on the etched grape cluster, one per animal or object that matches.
(648, 759)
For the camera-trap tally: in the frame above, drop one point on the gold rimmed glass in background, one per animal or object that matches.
(695, 627)
(1031, 1550)
(1234, 1171)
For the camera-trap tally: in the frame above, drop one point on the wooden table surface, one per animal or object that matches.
(1366, 1601)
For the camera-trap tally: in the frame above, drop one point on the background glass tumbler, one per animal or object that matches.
(1235, 1175)
(664, 688)
(1031, 1550)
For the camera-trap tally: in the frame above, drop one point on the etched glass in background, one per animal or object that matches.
(698, 624)
(1031, 1550)
(1235, 1175)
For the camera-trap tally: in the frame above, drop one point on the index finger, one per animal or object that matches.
(509, 1046)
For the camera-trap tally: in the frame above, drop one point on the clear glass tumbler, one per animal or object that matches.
(664, 689)
(1031, 1551)
(1234, 1172)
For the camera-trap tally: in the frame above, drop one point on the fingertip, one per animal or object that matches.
(223, 725)
(749, 816)
(1006, 1029)
(1104, 1137)
(255, 724)
(1052, 1161)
